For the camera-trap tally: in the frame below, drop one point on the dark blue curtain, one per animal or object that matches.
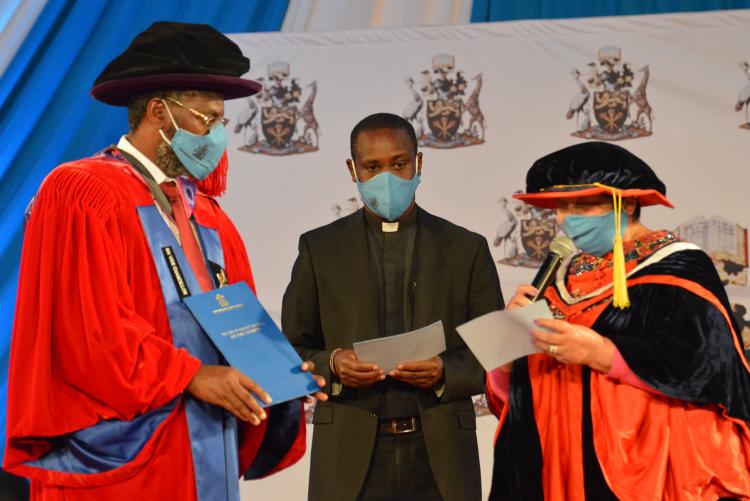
(48, 117)
(483, 11)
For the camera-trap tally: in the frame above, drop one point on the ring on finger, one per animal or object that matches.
(552, 349)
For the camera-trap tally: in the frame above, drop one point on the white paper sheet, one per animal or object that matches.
(388, 352)
(503, 336)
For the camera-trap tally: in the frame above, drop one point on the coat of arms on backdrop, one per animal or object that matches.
(439, 111)
(273, 122)
(607, 90)
(743, 99)
(524, 233)
(724, 241)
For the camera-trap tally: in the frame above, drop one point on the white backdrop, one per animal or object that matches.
(283, 182)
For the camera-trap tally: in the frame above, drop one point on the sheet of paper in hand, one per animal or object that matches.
(388, 352)
(250, 341)
(502, 336)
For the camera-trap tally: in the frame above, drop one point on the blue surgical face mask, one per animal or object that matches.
(594, 234)
(200, 155)
(387, 195)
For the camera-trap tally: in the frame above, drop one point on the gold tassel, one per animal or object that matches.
(620, 297)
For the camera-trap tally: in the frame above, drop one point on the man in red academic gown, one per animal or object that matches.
(114, 390)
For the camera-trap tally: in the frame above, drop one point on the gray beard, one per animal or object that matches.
(168, 162)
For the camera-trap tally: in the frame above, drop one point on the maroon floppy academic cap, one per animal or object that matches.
(176, 56)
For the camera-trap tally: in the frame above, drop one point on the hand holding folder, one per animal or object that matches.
(262, 360)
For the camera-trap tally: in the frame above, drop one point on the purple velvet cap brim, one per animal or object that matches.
(119, 92)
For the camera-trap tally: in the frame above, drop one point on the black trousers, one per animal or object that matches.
(400, 470)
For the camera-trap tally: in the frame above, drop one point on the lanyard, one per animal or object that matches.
(153, 186)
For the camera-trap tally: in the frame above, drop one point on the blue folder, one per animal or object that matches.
(250, 341)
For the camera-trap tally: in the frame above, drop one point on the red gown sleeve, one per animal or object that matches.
(80, 353)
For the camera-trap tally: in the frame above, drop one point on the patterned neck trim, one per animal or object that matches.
(634, 250)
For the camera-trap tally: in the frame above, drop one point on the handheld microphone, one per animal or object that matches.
(560, 248)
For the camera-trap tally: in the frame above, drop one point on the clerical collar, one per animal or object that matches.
(377, 224)
(156, 172)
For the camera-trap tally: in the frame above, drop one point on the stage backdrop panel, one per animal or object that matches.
(486, 101)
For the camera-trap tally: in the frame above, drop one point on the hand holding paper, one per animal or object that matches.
(500, 337)
(355, 373)
(418, 345)
(420, 373)
(574, 344)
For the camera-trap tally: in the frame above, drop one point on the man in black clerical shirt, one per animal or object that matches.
(410, 432)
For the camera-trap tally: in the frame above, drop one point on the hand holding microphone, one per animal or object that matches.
(566, 342)
(559, 249)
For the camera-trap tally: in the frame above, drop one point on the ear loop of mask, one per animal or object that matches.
(177, 127)
(354, 170)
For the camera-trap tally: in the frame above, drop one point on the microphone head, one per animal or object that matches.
(562, 246)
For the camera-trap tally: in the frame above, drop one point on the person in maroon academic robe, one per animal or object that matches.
(642, 391)
(114, 390)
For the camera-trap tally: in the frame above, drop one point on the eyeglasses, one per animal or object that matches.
(207, 121)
